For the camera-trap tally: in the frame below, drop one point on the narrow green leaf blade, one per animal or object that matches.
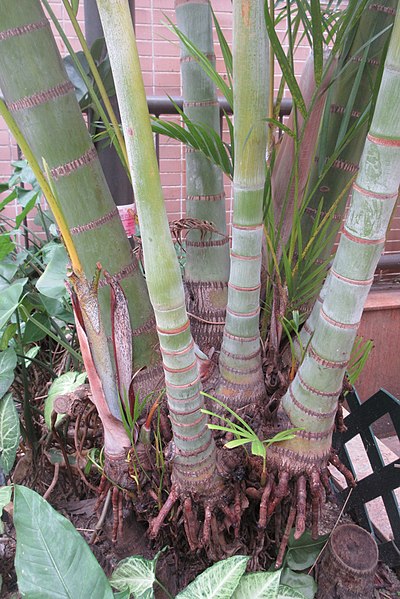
(52, 559)
(75, 6)
(217, 582)
(318, 40)
(284, 64)
(9, 433)
(259, 585)
(135, 574)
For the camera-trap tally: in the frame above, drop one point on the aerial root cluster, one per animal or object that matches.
(208, 531)
(305, 493)
(215, 524)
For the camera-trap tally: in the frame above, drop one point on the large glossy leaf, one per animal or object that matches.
(8, 362)
(52, 559)
(9, 299)
(33, 332)
(52, 282)
(63, 384)
(303, 552)
(285, 592)
(217, 582)
(9, 433)
(303, 583)
(8, 269)
(5, 498)
(259, 585)
(135, 574)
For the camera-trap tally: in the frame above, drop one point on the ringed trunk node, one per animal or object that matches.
(348, 566)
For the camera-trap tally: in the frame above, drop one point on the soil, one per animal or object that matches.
(176, 567)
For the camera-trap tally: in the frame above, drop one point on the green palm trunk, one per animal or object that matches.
(194, 467)
(43, 104)
(207, 254)
(240, 360)
(347, 100)
(311, 401)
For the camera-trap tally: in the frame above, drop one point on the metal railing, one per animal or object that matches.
(162, 105)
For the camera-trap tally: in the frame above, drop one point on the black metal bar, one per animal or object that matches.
(163, 105)
(384, 478)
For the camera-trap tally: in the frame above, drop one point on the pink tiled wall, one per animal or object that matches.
(159, 54)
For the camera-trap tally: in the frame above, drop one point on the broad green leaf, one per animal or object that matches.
(122, 595)
(63, 384)
(6, 245)
(33, 332)
(9, 300)
(30, 354)
(8, 363)
(5, 498)
(8, 269)
(9, 433)
(259, 585)
(52, 282)
(303, 583)
(8, 334)
(285, 592)
(29, 206)
(217, 582)
(52, 559)
(135, 574)
(303, 552)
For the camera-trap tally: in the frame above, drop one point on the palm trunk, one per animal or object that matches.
(375, 18)
(207, 254)
(240, 360)
(44, 107)
(311, 401)
(194, 468)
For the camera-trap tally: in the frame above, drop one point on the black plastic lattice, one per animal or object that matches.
(384, 478)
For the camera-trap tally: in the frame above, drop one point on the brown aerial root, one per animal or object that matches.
(158, 521)
(301, 506)
(205, 520)
(334, 460)
(105, 488)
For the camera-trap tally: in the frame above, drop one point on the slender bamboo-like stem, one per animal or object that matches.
(348, 98)
(311, 401)
(207, 254)
(44, 107)
(194, 456)
(240, 359)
